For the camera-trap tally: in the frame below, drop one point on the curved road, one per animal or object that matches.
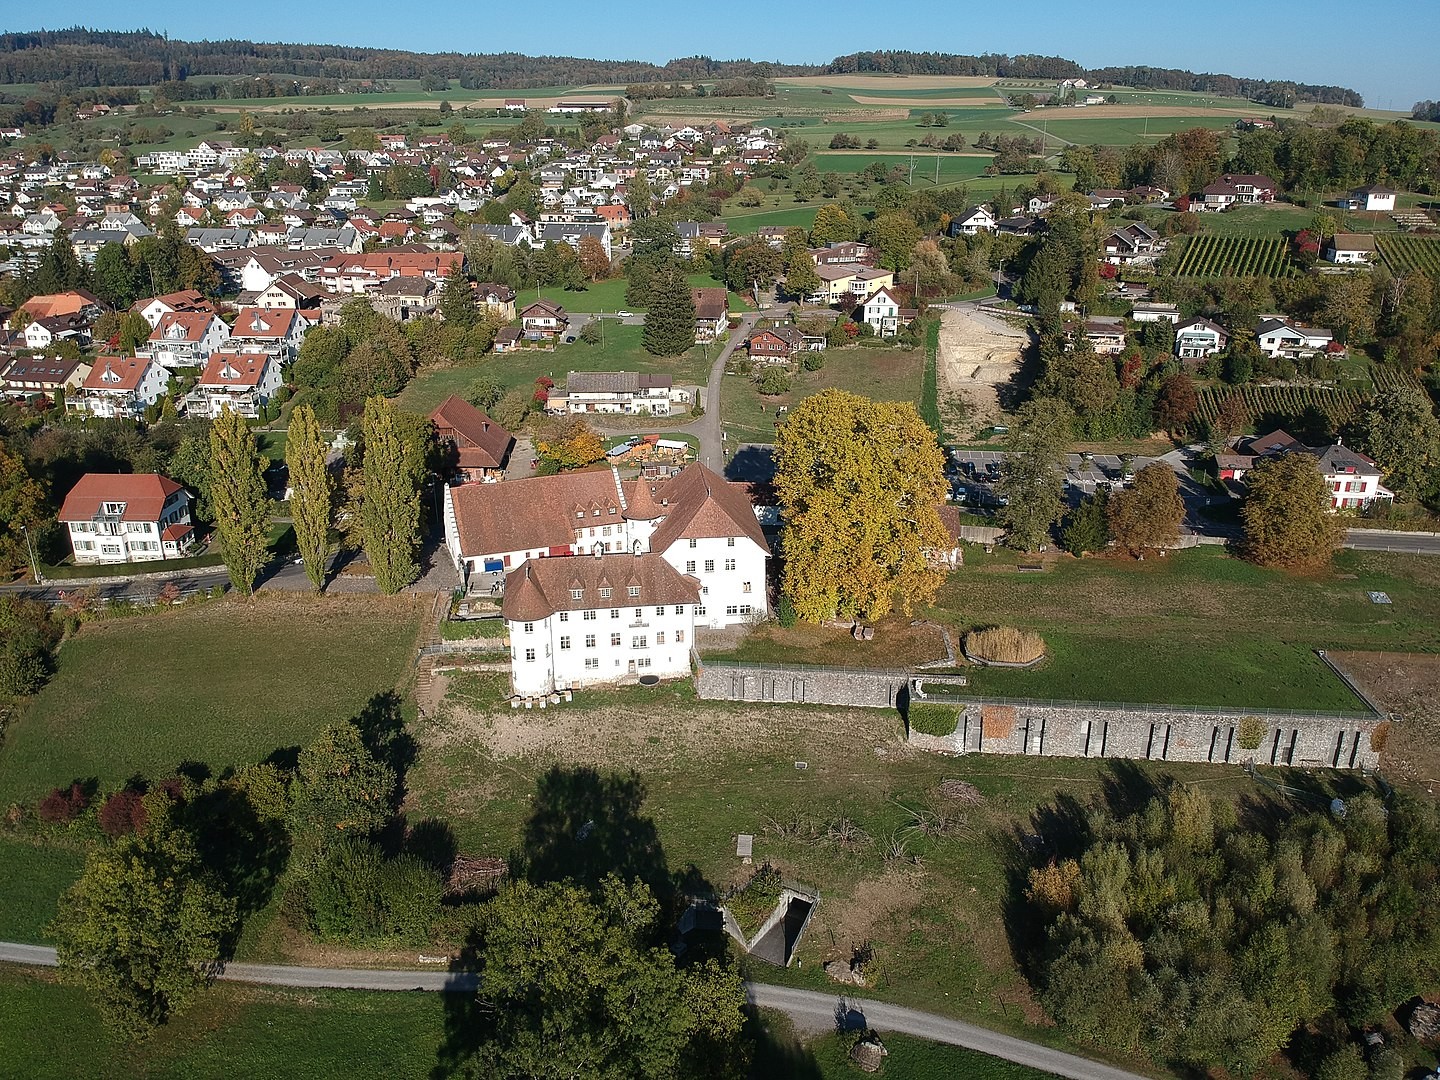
(810, 1010)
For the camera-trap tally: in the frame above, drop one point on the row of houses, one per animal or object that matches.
(1276, 336)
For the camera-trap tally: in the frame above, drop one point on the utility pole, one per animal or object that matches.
(34, 562)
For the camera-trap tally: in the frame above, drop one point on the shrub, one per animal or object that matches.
(773, 381)
(785, 613)
(356, 895)
(124, 812)
(753, 904)
(1005, 645)
(928, 718)
(63, 805)
(1252, 732)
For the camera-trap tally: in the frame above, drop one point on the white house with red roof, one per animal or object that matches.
(185, 338)
(276, 331)
(701, 524)
(243, 382)
(884, 313)
(154, 307)
(123, 517)
(120, 386)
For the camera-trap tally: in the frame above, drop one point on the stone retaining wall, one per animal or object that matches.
(811, 686)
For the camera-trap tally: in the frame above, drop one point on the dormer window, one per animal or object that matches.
(577, 594)
(634, 590)
(114, 508)
(605, 594)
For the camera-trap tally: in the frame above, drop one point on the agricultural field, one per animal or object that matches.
(1234, 256)
(1405, 252)
(1336, 405)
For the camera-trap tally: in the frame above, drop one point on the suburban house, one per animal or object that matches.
(472, 446)
(243, 382)
(1230, 191)
(1135, 245)
(591, 620)
(840, 251)
(80, 302)
(775, 344)
(973, 221)
(1381, 199)
(544, 321)
(625, 392)
(41, 334)
(1106, 334)
(1353, 478)
(277, 331)
(1145, 312)
(185, 338)
(702, 525)
(884, 314)
(406, 298)
(1350, 249)
(496, 299)
(120, 387)
(1277, 337)
(27, 377)
(123, 517)
(1199, 338)
(712, 313)
(858, 280)
(186, 300)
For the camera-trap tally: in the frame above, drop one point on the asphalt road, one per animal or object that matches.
(1382, 540)
(810, 1010)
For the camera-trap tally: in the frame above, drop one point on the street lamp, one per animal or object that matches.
(34, 563)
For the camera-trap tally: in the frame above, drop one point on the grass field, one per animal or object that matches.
(880, 374)
(609, 296)
(622, 351)
(225, 683)
(954, 168)
(34, 877)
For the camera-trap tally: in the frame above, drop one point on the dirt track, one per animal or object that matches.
(920, 103)
(978, 355)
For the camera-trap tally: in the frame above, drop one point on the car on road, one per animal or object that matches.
(624, 315)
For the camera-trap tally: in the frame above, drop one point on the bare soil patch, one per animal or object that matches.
(978, 355)
(1407, 684)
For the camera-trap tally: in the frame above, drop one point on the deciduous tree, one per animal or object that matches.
(390, 509)
(802, 280)
(312, 498)
(861, 482)
(1147, 514)
(833, 224)
(1287, 516)
(1399, 430)
(342, 786)
(1031, 481)
(238, 500)
(1176, 403)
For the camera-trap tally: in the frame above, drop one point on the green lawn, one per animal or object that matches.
(225, 683)
(880, 374)
(622, 351)
(780, 213)
(1074, 126)
(34, 877)
(272, 444)
(915, 1059)
(609, 296)
(954, 168)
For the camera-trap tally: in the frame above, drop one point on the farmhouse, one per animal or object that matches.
(544, 321)
(712, 311)
(120, 517)
(1381, 199)
(625, 392)
(774, 344)
(472, 446)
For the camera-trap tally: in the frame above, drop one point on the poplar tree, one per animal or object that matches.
(237, 500)
(312, 492)
(390, 509)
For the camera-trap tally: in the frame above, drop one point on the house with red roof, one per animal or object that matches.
(242, 382)
(152, 308)
(185, 338)
(120, 387)
(123, 517)
(276, 331)
(473, 446)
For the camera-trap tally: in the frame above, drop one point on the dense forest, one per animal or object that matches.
(1278, 94)
(82, 57)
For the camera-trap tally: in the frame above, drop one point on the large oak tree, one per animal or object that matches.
(1287, 516)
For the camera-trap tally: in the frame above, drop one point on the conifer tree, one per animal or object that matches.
(237, 499)
(312, 498)
(670, 323)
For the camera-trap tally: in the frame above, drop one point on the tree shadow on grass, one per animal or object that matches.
(382, 728)
(585, 825)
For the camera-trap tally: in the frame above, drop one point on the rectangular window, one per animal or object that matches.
(605, 531)
(592, 662)
(564, 643)
(699, 609)
(576, 594)
(679, 636)
(709, 566)
(614, 639)
(529, 627)
(644, 661)
(529, 656)
(690, 566)
(660, 638)
(614, 613)
(729, 564)
(679, 609)
(633, 590)
(589, 641)
(745, 586)
(692, 543)
(590, 616)
(744, 609)
(639, 641)
(605, 594)
(660, 610)
(731, 609)
(564, 616)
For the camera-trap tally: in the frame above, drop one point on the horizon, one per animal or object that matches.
(1396, 82)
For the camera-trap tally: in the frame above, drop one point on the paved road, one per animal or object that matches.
(712, 450)
(810, 1010)
(1383, 540)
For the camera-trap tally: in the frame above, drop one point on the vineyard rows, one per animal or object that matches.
(1242, 256)
(1403, 252)
(1277, 401)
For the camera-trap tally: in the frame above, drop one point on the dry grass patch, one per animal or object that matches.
(1004, 645)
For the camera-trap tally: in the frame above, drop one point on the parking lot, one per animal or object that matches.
(974, 474)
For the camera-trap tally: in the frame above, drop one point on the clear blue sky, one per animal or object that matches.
(1385, 49)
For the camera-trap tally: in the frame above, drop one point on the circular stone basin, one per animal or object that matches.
(649, 680)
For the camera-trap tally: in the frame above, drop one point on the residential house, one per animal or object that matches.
(1155, 312)
(1235, 190)
(496, 299)
(473, 446)
(544, 321)
(712, 313)
(774, 344)
(841, 251)
(41, 334)
(854, 279)
(1106, 334)
(702, 525)
(1280, 337)
(1374, 198)
(185, 338)
(277, 331)
(292, 291)
(405, 298)
(153, 308)
(127, 517)
(1354, 479)
(120, 387)
(241, 382)
(1136, 244)
(884, 313)
(213, 240)
(1199, 338)
(625, 392)
(598, 620)
(1350, 249)
(42, 376)
(978, 220)
(74, 302)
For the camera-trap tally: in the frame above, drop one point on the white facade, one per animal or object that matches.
(596, 646)
(176, 345)
(731, 570)
(1276, 338)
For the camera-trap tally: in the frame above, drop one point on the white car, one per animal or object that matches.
(623, 314)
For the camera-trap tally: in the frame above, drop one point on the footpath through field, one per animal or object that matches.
(809, 1009)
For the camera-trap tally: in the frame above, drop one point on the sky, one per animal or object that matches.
(1383, 48)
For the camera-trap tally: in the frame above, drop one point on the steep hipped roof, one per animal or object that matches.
(482, 443)
(143, 494)
(532, 514)
(699, 504)
(544, 586)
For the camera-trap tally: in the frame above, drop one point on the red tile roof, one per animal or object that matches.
(234, 370)
(143, 494)
(254, 322)
(533, 514)
(544, 586)
(116, 373)
(481, 442)
(193, 323)
(700, 504)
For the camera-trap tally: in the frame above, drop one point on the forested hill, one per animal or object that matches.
(1278, 93)
(93, 58)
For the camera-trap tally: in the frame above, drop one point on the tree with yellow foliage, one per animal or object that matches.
(861, 483)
